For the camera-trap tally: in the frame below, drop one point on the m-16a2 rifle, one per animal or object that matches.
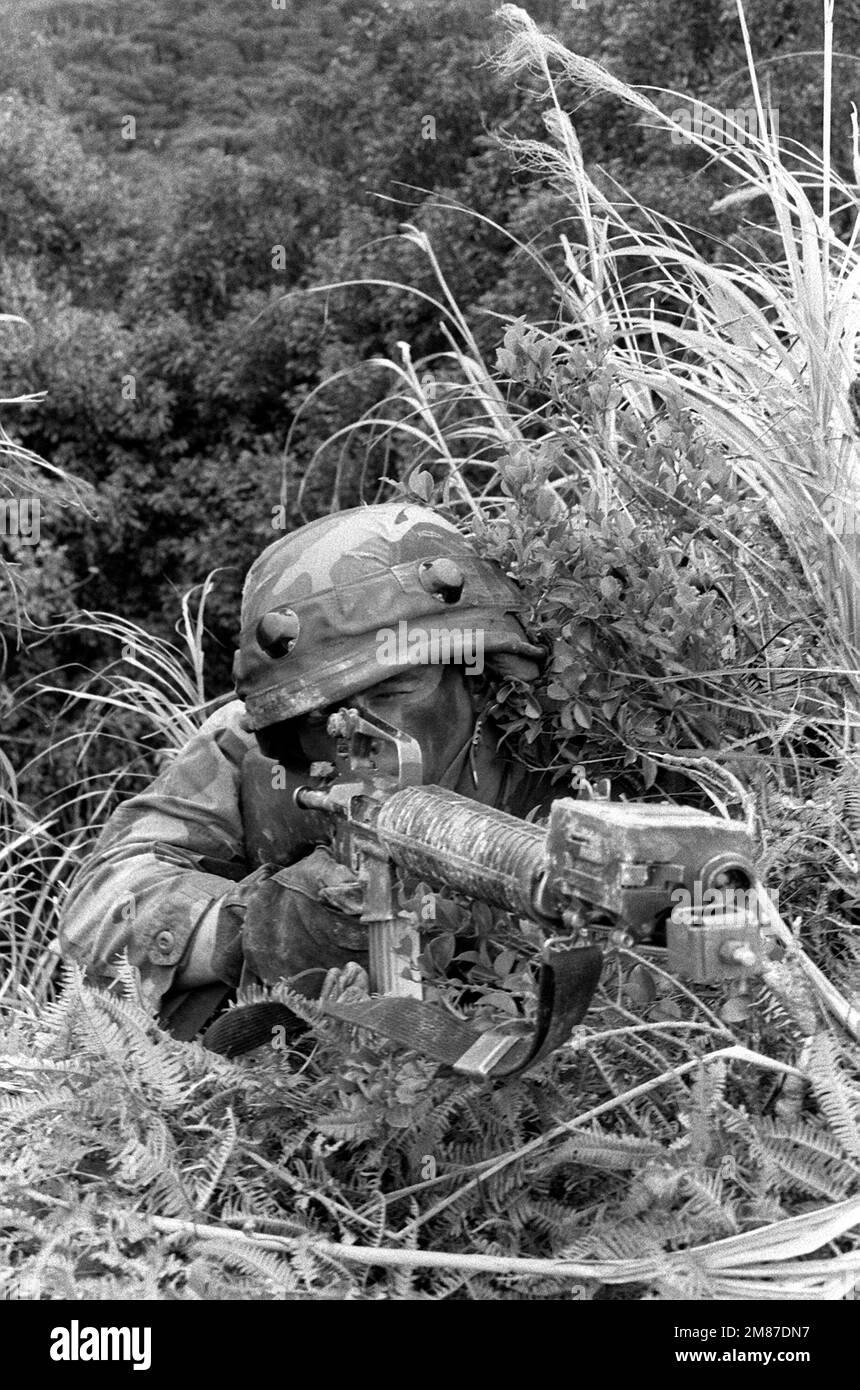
(599, 873)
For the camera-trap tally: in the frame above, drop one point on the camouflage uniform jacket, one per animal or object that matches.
(198, 839)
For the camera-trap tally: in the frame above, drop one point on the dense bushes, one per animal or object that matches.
(152, 263)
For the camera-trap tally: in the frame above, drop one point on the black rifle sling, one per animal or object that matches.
(567, 981)
(251, 1025)
(568, 978)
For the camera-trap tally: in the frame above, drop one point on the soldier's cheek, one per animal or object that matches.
(441, 729)
(316, 745)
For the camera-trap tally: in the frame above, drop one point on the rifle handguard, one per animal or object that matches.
(446, 839)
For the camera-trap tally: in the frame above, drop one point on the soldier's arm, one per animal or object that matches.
(167, 863)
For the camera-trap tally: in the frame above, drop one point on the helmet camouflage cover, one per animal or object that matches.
(316, 600)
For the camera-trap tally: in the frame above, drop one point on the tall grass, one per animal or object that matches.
(29, 861)
(25, 476)
(765, 353)
(129, 719)
(762, 350)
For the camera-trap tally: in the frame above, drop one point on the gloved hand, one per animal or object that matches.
(302, 921)
(285, 925)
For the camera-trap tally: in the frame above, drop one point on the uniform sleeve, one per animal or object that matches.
(167, 858)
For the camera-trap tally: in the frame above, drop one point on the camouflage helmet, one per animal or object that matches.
(316, 600)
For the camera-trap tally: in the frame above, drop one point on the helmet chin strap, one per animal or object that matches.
(453, 770)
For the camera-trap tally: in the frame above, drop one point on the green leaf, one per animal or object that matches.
(582, 715)
(421, 483)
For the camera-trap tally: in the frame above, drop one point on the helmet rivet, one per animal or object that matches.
(442, 578)
(277, 633)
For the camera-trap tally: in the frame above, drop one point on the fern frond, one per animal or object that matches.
(807, 1136)
(377, 1210)
(824, 1069)
(448, 1285)
(144, 1160)
(267, 1265)
(29, 1066)
(168, 1197)
(129, 979)
(309, 1010)
(402, 1283)
(709, 1087)
(126, 1012)
(55, 1014)
(708, 1201)
(154, 1064)
(816, 1177)
(19, 1110)
(349, 1127)
(614, 1152)
(499, 1189)
(95, 1030)
(636, 1239)
(215, 1165)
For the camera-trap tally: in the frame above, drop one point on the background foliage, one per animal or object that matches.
(259, 128)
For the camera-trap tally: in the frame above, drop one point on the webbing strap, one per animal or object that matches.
(187, 1013)
(249, 1026)
(567, 981)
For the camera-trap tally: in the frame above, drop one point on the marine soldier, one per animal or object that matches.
(212, 874)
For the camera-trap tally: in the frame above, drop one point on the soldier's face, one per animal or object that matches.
(434, 704)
